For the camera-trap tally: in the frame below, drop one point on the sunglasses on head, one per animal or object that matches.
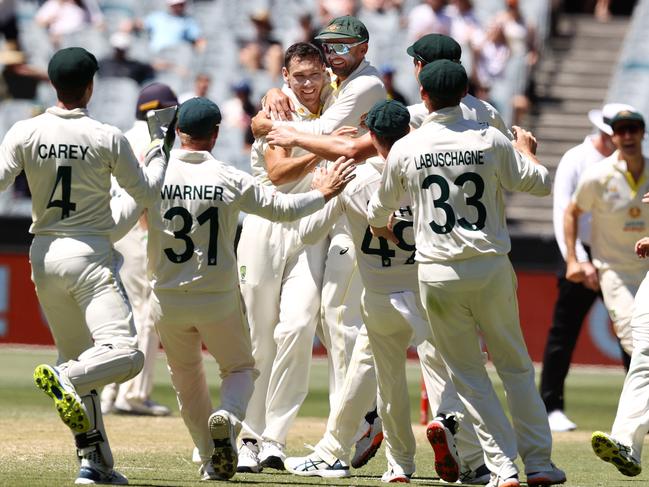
(631, 128)
(339, 48)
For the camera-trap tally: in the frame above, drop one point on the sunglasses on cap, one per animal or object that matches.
(631, 128)
(339, 48)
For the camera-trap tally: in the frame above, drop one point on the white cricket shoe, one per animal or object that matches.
(369, 444)
(394, 477)
(55, 383)
(271, 455)
(137, 407)
(559, 421)
(612, 451)
(224, 455)
(440, 433)
(314, 466)
(93, 472)
(547, 477)
(479, 476)
(249, 456)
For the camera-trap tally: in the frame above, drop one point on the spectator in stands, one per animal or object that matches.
(575, 298)
(490, 60)
(119, 65)
(387, 75)
(465, 26)
(201, 89)
(8, 22)
(330, 9)
(172, 27)
(263, 52)
(239, 110)
(305, 30)
(428, 18)
(602, 10)
(20, 80)
(62, 17)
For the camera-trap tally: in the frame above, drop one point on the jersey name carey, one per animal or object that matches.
(187, 192)
(449, 158)
(62, 151)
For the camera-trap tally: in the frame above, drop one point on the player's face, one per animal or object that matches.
(306, 77)
(344, 60)
(627, 137)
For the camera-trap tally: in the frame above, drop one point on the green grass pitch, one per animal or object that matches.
(36, 449)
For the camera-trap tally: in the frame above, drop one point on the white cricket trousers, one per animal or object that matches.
(87, 312)
(341, 312)
(632, 418)
(281, 282)
(479, 295)
(185, 322)
(133, 275)
(619, 288)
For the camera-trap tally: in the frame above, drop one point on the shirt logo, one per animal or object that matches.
(635, 212)
(242, 274)
(344, 250)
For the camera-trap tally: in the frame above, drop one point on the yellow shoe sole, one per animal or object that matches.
(68, 404)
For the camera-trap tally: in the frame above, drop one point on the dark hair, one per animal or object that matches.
(70, 94)
(389, 140)
(448, 100)
(303, 50)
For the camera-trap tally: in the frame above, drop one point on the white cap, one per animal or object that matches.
(120, 40)
(599, 118)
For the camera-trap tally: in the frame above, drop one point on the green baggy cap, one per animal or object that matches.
(72, 67)
(443, 78)
(346, 27)
(432, 47)
(198, 117)
(626, 115)
(388, 118)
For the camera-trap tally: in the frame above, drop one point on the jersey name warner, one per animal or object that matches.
(449, 158)
(187, 192)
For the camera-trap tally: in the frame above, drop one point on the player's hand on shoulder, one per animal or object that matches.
(282, 136)
(524, 140)
(642, 247)
(277, 105)
(261, 124)
(345, 130)
(330, 182)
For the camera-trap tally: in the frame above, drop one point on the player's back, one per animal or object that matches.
(67, 157)
(456, 171)
(193, 224)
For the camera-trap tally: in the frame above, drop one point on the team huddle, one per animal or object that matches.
(375, 225)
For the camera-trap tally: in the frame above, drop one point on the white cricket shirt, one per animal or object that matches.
(192, 224)
(620, 218)
(455, 172)
(68, 158)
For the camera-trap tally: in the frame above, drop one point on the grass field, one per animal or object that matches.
(37, 450)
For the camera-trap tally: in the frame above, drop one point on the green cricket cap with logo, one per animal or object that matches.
(346, 27)
(626, 116)
(388, 118)
(198, 117)
(72, 67)
(443, 78)
(432, 47)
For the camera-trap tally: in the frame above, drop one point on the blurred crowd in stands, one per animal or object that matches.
(232, 51)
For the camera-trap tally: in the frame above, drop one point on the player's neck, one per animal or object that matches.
(70, 106)
(635, 165)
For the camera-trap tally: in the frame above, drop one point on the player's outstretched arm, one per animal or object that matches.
(574, 270)
(283, 169)
(316, 226)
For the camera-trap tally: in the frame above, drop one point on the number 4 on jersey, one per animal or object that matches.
(63, 176)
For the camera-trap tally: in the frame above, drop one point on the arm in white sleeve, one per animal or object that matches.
(267, 202)
(386, 199)
(315, 227)
(347, 110)
(125, 211)
(565, 182)
(11, 160)
(518, 173)
(142, 183)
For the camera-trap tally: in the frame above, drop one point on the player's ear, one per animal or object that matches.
(363, 48)
(285, 74)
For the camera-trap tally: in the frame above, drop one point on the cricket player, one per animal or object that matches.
(357, 87)
(391, 311)
(68, 158)
(134, 395)
(192, 266)
(623, 447)
(612, 192)
(575, 298)
(281, 278)
(455, 172)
